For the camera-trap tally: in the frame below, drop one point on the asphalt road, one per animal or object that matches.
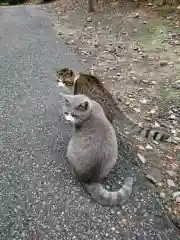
(38, 197)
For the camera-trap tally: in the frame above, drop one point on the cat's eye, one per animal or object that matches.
(86, 105)
(65, 113)
(73, 115)
(70, 72)
(66, 101)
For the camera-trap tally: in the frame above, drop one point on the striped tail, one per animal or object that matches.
(107, 198)
(138, 128)
(149, 133)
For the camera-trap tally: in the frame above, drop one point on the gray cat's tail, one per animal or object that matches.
(104, 197)
(139, 129)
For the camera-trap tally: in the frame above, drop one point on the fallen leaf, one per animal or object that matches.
(171, 173)
(163, 63)
(176, 194)
(171, 183)
(137, 110)
(177, 148)
(156, 125)
(153, 111)
(144, 101)
(141, 158)
(136, 15)
(155, 175)
(162, 194)
(172, 117)
(173, 165)
(89, 18)
(148, 147)
(169, 157)
(178, 199)
(140, 147)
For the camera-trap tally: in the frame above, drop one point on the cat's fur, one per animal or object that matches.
(92, 150)
(81, 83)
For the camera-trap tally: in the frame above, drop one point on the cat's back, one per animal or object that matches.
(89, 84)
(91, 79)
(93, 87)
(96, 135)
(98, 124)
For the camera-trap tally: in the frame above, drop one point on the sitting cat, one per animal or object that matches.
(92, 150)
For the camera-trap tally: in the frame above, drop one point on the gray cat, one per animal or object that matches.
(92, 150)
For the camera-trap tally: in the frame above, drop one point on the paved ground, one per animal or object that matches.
(38, 197)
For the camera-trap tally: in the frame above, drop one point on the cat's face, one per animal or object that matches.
(76, 108)
(65, 77)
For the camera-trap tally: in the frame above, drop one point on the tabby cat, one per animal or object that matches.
(91, 86)
(92, 150)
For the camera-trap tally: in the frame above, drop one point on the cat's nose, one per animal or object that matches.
(61, 84)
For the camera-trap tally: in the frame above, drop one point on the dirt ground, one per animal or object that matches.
(136, 53)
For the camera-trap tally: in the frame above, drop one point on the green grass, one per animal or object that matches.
(167, 10)
(170, 95)
(153, 37)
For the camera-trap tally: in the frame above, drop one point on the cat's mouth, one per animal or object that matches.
(60, 82)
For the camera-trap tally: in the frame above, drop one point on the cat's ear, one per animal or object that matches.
(70, 72)
(83, 105)
(65, 97)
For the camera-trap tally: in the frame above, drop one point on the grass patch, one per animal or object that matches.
(153, 37)
(177, 67)
(169, 95)
(168, 10)
(35, 1)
